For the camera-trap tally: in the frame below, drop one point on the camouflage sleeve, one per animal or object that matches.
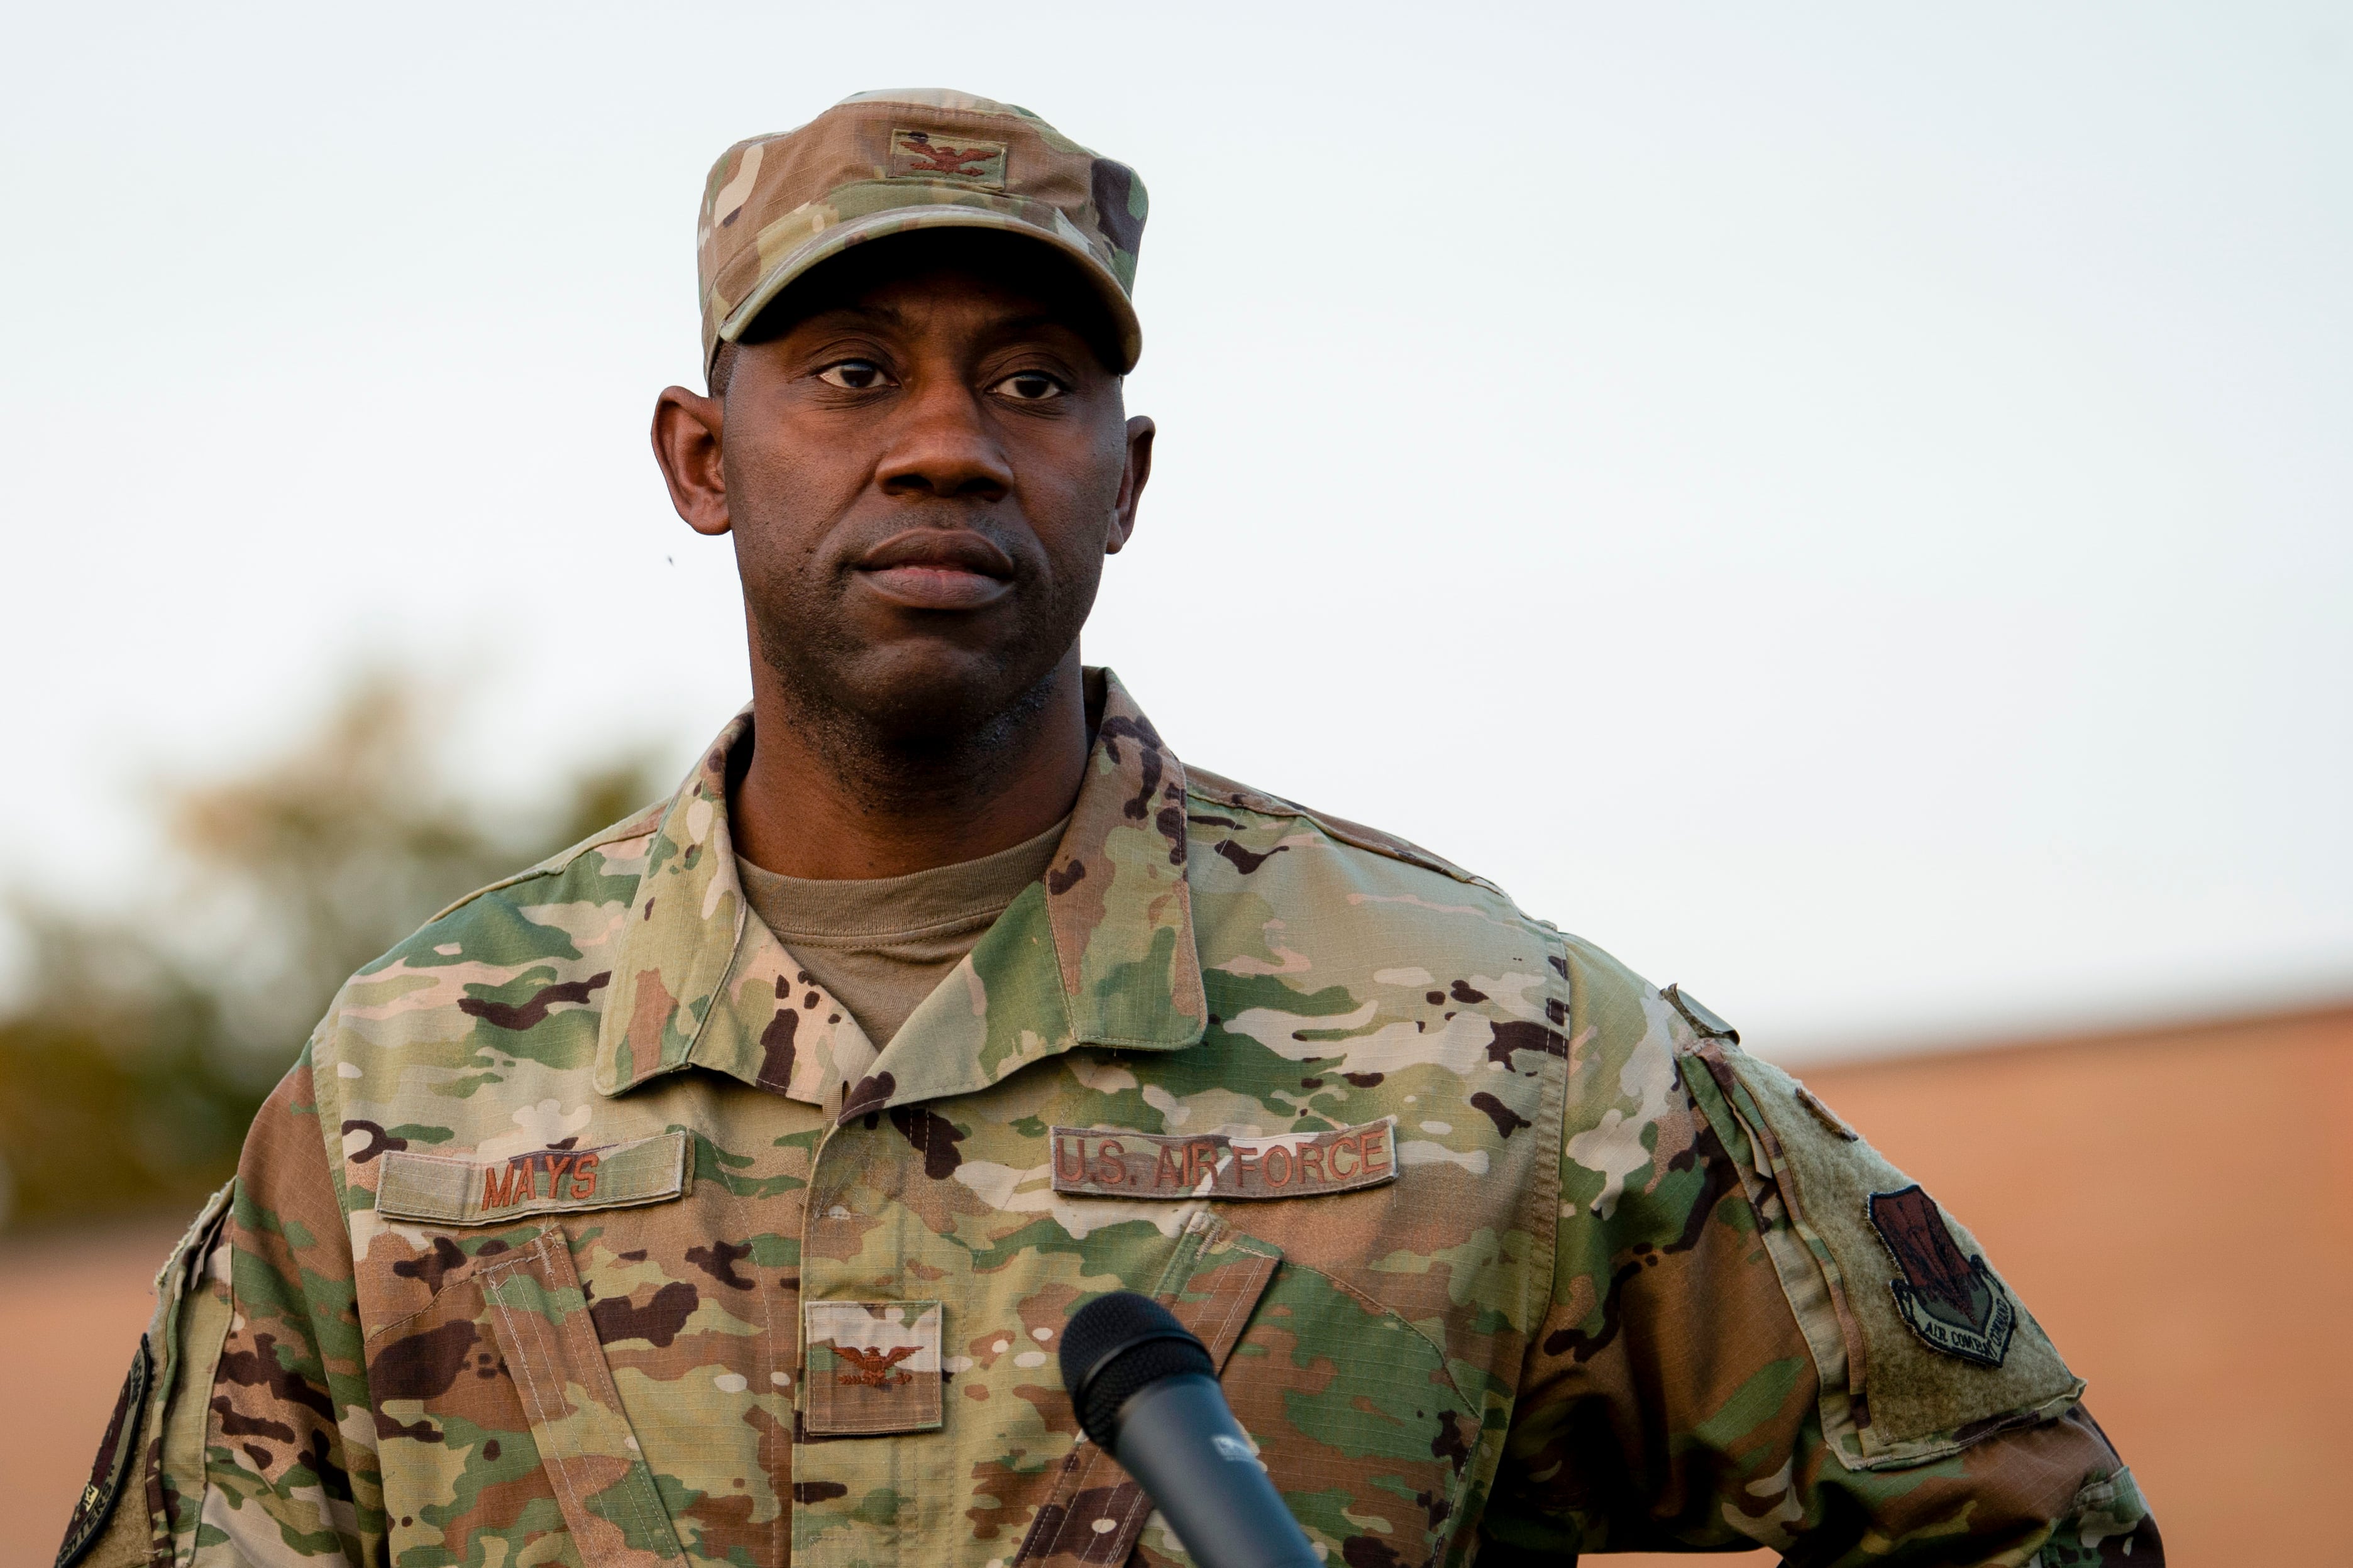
(264, 1450)
(1737, 1354)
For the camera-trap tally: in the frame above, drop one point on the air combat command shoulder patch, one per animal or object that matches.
(1953, 1303)
(113, 1466)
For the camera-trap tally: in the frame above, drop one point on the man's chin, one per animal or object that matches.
(924, 693)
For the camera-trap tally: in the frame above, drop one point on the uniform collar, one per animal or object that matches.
(1100, 952)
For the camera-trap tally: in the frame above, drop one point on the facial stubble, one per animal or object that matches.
(895, 737)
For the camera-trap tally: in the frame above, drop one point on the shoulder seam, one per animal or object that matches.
(1543, 1199)
(634, 825)
(1216, 789)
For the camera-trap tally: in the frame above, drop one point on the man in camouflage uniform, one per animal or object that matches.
(594, 1226)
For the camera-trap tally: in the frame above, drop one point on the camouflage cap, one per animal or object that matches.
(891, 162)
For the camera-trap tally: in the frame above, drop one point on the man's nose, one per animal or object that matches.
(944, 446)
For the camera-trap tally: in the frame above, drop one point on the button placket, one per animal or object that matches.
(834, 1471)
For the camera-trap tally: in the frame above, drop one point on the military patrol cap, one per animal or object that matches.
(892, 163)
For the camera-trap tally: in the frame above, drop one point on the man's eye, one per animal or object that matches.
(854, 375)
(1030, 386)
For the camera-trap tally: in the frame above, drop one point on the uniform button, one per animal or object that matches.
(836, 1211)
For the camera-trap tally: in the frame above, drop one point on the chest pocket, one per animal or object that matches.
(594, 1385)
(540, 1317)
(1360, 1425)
(1357, 1421)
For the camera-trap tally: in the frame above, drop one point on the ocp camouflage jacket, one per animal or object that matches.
(588, 1229)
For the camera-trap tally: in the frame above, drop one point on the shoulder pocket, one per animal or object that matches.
(111, 1469)
(148, 1480)
(1921, 1347)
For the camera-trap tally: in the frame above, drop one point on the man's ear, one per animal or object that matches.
(687, 432)
(1140, 431)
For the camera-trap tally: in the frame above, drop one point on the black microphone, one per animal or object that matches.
(1146, 1390)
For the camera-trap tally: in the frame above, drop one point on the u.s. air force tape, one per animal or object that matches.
(1113, 1162)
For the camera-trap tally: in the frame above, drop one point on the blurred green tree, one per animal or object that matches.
(137, 1053)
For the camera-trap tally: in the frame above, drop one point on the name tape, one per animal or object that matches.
(543, 1180)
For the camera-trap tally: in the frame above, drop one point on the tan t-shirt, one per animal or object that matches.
(883, 945)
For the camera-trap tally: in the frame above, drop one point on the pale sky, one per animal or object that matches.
(1850, 508)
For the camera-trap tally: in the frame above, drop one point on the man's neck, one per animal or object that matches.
(825, 797)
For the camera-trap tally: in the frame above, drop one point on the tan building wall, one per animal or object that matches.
(2176, 1204)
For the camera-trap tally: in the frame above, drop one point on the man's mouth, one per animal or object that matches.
(938, 569)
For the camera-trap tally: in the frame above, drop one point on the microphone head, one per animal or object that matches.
(1117, 1345)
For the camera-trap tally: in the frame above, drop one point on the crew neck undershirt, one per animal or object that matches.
(883, 944)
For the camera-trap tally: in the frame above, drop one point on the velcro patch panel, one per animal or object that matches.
(873, 1368)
